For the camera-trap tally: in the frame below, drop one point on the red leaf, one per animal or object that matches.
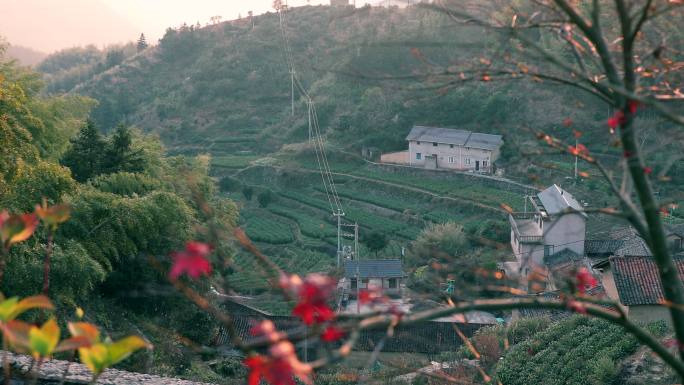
(191, 261)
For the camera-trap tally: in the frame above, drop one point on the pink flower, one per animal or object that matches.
(191, 261)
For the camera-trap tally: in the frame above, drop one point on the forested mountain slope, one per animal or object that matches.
(226, 87)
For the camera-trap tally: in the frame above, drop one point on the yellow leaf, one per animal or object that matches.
(44, 340)
(123, 348)
(12, 308)
(94, 357)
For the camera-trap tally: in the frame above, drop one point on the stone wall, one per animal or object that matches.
(52, 371)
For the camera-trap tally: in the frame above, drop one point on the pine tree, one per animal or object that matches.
(142, 42)
(85, 156)
(120, 155)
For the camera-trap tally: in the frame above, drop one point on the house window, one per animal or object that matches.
(548, 250)
(392, 283)
(434, 144)
(417, 142)
(484, 163)
(452, 159)
(364, 282)
(418, 156)
(451, 146)
(353, 283)
(467, 161)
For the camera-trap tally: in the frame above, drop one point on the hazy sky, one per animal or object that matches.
(49, 25)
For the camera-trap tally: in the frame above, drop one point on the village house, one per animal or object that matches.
(447, 148)
(553, 222)
(634, 283)
(385, 274)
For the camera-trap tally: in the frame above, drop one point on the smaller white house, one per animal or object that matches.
(555, 221)
(448, 148)
(384, 274)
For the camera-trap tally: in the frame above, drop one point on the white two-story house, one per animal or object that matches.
(447, 148)
(553, 221)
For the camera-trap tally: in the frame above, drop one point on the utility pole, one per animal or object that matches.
(339, 214)
(309, 104)
(356, 241)
(576, 143)
(292, 73)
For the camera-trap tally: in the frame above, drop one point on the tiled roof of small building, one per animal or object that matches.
(374, 268)
(463, 138)
(675, 229)
(637, 280)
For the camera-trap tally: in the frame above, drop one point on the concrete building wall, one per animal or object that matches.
(566, 232)
(401, 157)
(649, 313)
(452, 156)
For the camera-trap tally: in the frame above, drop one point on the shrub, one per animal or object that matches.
(248, 191)
(229, 184)
(126, 183)
(265, 198)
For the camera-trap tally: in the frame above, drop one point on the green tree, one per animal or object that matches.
(375, 242)
(120, 155)
(247, 191)
(85, 157)
(265, 198)
(142, 43)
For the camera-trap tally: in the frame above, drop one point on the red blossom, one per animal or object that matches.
(371, 296)
(627, 154)
(633, 106)
(191, 261)
(332, 334)
(567, 122)
(313, 295)
(617, 119)
(648, 170)
(279, 368)
(584, 280)
(580, 149)
(577, 134)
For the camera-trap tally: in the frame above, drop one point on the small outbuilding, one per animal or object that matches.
(385, 274)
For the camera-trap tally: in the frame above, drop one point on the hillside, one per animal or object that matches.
(226, 88)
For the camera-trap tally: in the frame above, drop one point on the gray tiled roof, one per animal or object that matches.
(637, 280)
(598, 247)
(484, 141)
(675, 229)
(453, 136)
(556, 200)
(374, 268)
(563, 256)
